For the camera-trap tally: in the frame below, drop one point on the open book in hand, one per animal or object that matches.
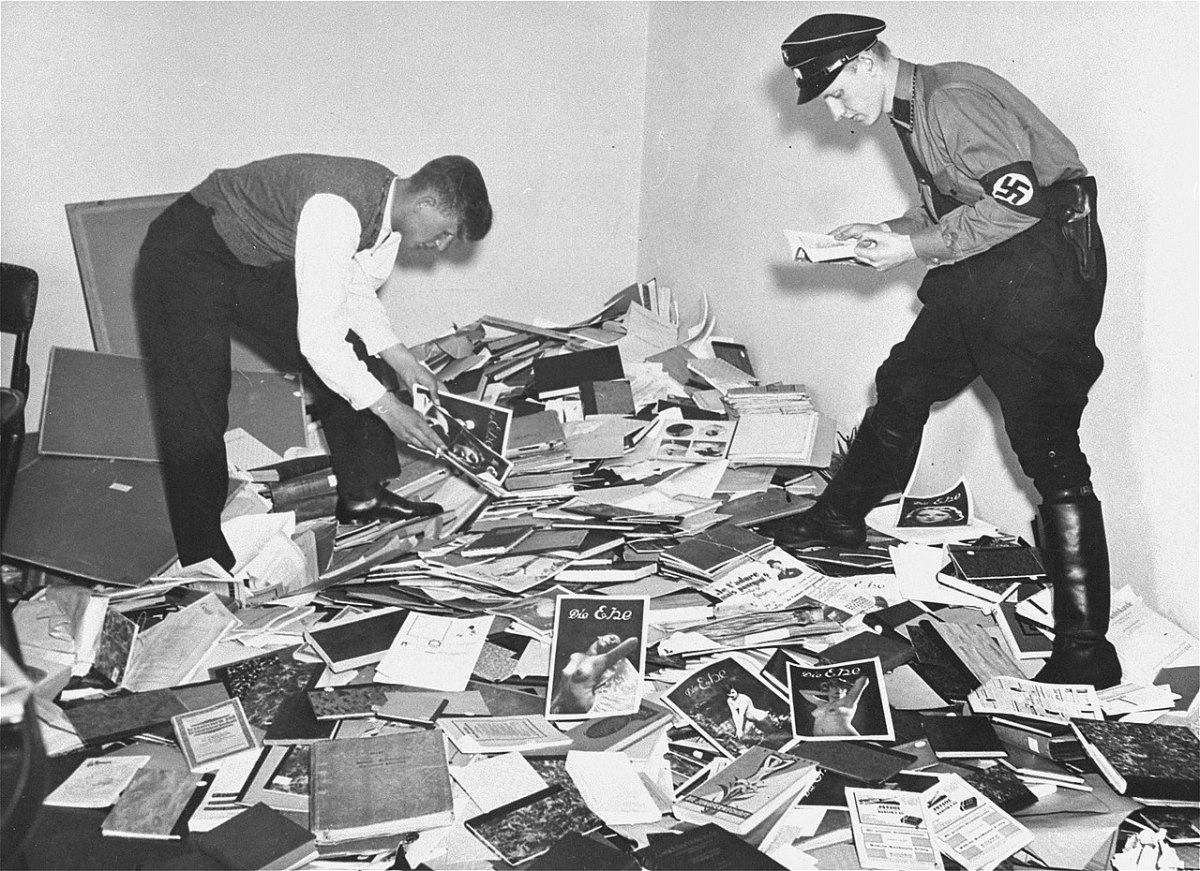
(819, 247)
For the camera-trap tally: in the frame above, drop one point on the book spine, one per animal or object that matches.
(305, 487)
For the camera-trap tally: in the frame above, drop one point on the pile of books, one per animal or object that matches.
(593, 657)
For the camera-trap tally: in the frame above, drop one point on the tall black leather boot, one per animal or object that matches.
(878, 462)
(1072, 538)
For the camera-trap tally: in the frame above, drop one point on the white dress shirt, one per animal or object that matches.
(336, 290)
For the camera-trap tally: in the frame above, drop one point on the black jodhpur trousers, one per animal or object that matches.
(1020, 316)
(191, 292)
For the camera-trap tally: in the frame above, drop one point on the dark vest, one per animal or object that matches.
(257, 206)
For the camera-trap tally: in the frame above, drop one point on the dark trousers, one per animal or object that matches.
(1020, 316)
(191, 294)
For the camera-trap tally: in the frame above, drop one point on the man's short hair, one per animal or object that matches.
(458, 185)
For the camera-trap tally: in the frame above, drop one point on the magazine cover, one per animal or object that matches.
(464, 450)
(750, 788)
(488, 423)
(952, 508)
(732, 707)
(845, 701)
(597, 656)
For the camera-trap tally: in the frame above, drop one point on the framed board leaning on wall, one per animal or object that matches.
(107, 235)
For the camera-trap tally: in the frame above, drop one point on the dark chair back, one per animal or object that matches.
(18, 301)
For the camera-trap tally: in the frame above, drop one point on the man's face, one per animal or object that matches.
(856, 95)
(425, 227)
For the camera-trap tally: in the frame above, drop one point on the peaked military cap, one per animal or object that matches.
(819, 48)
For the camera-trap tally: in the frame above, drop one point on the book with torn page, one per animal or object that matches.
(808, 247)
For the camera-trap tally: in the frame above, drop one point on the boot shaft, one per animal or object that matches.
(1076, 550)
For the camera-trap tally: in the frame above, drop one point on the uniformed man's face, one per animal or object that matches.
(856, 95)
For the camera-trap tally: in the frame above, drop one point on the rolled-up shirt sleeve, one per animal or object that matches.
(981, 135)
(368, 317)
(326, 243)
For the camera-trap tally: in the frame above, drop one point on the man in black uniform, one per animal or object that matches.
(291, 250)
(1007, 225)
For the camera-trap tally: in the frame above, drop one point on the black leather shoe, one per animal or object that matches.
(385, 506)
(817, 525)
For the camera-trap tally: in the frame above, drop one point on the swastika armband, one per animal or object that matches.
(1016, 187)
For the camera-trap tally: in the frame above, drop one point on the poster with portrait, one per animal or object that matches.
(597, 656)
(952, 508)
(731, 706)
(842, 701)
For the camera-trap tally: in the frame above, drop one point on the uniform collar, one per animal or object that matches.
(906, 93)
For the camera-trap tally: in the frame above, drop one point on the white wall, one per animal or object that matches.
(113, 100)
(731, 161)
(105, 100)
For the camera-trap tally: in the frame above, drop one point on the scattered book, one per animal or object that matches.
(747, 791)
(1144, 760)
(259, 837)
(526, 828)
(214, 733)
(368, 787)
(708, 846)
(97, 782)
(998, 561)
(962, 737)
(358, 640)
(495, 542)
(150, 807)
(519, 732)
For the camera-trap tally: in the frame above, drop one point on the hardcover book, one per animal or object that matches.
(115, 649)
(357, 641)
(710, 847)
(1146, 760)
(962, 737)
(891, 652)
(151, 805)
(749, 790)
(996, 562)
(263, 682)
(562, 373)
(366, 787)
(258, 838)
(530, 826)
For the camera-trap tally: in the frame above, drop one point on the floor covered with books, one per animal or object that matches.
(593, 658)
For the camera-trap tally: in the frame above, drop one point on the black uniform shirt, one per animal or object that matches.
(983, 143)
